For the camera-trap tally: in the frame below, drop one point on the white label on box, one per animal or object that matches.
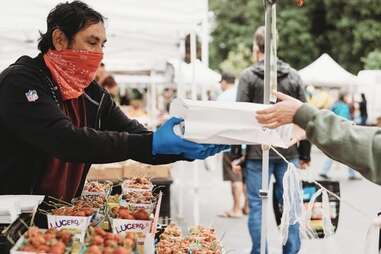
(120, 226)
(69, 222)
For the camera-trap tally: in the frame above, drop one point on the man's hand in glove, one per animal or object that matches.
(165, 141)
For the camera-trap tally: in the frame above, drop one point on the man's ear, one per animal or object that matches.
(60, 42)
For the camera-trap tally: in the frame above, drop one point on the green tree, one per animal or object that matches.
(236, 21)
(373, 60)
(237, 60)
(348, 30)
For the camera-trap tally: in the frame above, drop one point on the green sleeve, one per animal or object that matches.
(356, 146)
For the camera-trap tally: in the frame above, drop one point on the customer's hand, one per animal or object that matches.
(304, 164)
(165, 141)
(281, 113)
(237, 169)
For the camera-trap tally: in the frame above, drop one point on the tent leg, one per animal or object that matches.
(265, 148)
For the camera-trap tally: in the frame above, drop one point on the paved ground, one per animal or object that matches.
(214, 198)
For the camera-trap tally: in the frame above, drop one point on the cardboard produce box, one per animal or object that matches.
(113, 172)
(136, 169)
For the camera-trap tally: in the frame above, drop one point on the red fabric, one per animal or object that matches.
(62, 179)
(72, 70)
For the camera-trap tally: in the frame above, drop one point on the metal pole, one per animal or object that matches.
(205, 36)
(265, 148)
(205, 46)
(181, 90)
(196, 204)
(193, 54)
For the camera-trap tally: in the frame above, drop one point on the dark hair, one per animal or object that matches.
(136, 95)
(229, 78)
(109, 82)
(70, 18)
(342, 96)
(259, 38)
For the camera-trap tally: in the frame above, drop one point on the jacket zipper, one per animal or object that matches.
(97, 118)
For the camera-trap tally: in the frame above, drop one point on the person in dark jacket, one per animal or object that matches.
(363, 110)
(55, 121)
(250, 89)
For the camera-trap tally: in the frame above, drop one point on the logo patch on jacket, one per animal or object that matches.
(31, 95)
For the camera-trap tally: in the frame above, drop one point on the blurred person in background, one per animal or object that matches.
(136, 109)
(363, 107)
(164, 102)
(101, 74)
(55, 120)
(342, 109)
(110, 85)
(125, 98)
(250, 89)
(229, 94)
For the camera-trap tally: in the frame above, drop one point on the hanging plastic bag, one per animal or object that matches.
(293, 207)
(372, 237)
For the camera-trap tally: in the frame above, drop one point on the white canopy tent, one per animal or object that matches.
(370, 84)
(142, 34)
(205, 77)
(326, 72)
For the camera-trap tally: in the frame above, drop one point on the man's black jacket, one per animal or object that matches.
(33, 132)
(250, 89)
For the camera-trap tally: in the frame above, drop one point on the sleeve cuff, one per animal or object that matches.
(304, 114)
(140, 146)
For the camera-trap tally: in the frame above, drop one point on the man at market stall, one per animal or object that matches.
(356, 146)
(250, 89)
(55, 120)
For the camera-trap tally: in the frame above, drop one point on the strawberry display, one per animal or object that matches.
(138, 183)
(77, 210)
(97, 187)
(50, 241)
(127, 214)
(90, 201)
(145, 197)
(102, 242)
(199, 241)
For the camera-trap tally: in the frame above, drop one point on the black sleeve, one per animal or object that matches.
(236, 151)
(304, 147)
(115, 120)
(42, 124)
(304, 150)
(244, 94)
(244, 91)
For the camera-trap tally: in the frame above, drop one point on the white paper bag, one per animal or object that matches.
(230, 123)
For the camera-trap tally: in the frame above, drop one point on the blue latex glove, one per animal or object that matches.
(165, 141)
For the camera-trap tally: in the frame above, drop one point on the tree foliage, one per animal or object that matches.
(373, 60)
(348, 30)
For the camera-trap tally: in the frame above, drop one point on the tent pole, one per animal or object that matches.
(180, 165)
(193, 53)
(152, 99)
(265, 148)
(193, 56)
(205, 46)
(205, 36)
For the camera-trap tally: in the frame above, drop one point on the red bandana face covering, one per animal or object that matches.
(72, 70)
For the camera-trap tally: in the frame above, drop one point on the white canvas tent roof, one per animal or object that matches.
(142, 34)
(326, 72)
(370, 84)
(205, 77)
